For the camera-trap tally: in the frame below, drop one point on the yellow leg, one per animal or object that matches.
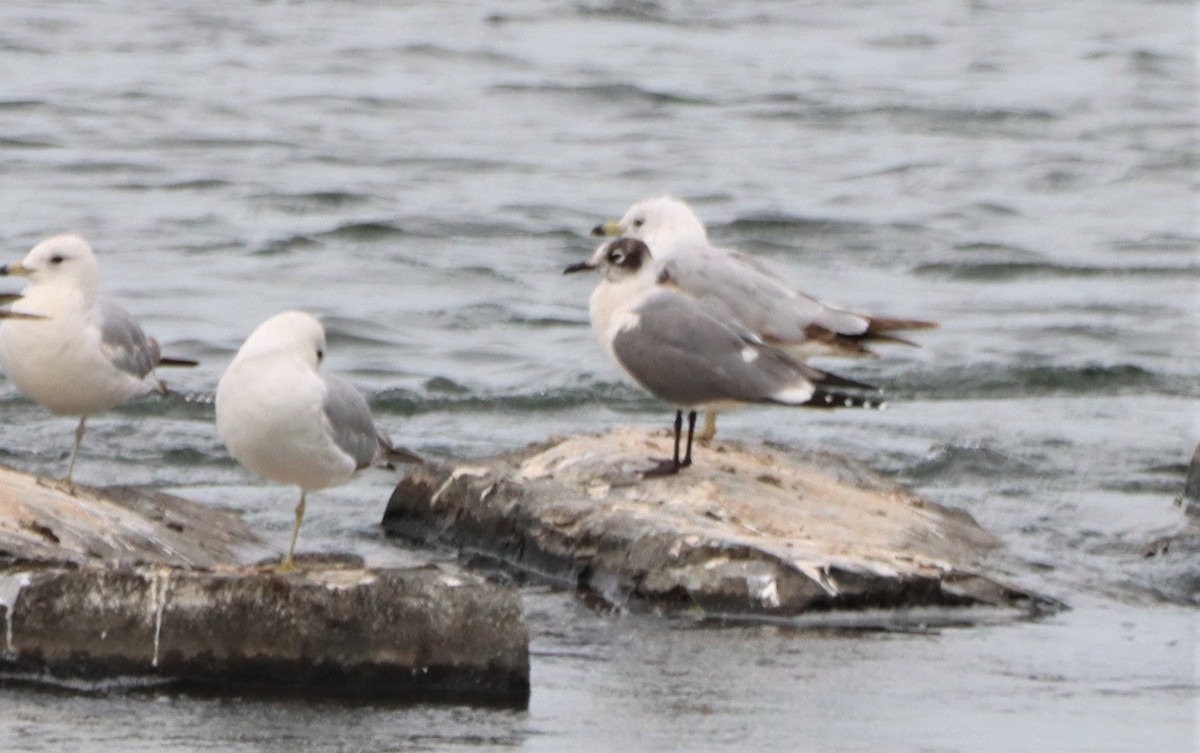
(67, 480)
(709, 430)
(289, 563)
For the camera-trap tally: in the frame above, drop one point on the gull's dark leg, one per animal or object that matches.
(672, 466)
(678, 432)
(687, 459)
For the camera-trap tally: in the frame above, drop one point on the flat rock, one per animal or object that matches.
(119, 584)
(39, 522)
(757, 531)
(387, 634)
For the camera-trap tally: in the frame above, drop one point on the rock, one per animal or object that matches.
(387, 634)
(748, 531)
(41, 523)
(125, 583)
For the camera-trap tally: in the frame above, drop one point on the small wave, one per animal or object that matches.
(428, 49)
(772, 223)
(958, 121)
(462, 229)
(900, 168)
(346, 332)
(1159, 242)
(310, 202)
(1013, 270)
(626, 10)
(1003, 250)
(96, 167)
(287, 245)
(196, 184)
(222, 142)
(441, 385)
(20, 104)
(619, 397)
(983, 120)
(773, 231)
(12, 142)
(1154, 63)
(991, 381)
(363, 231)
(614, 93)
(970, 460)
(904, 41)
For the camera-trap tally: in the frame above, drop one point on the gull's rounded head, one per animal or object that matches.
(621, 259)
(61, 260)
(663, 223)
(288, 333)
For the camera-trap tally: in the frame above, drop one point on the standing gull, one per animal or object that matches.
(739, 288)
(681, 351)
(284, 420)
(78, 354)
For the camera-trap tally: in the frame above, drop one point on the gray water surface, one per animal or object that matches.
(418, 174)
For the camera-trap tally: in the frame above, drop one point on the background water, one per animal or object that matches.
(419, 173)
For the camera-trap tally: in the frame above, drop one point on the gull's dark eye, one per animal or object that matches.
(57, 259)
(639, 222)
(320, 355)
(616, 257)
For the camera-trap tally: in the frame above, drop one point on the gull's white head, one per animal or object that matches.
(63, 260)
(663, 223)
(619, 261)
(289, 333)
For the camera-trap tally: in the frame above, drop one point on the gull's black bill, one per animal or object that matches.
(578, 267)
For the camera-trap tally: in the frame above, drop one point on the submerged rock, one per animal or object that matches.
(760, 531)
(124, 584)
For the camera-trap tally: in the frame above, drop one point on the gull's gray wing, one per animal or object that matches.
(122, 340)
(737, 287)
(678, 350)
(353, 428)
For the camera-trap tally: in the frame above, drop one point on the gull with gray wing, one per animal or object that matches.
(73, 352)
(280, 417)
(736, 287)
(682, 352)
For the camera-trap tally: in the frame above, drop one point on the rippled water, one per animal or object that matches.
(419, 174)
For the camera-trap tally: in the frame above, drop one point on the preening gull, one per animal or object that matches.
(77, 354)
(740, 289)
(279, 416)
(683, 352)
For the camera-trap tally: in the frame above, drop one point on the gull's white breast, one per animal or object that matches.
(59, 361)
(271, 416)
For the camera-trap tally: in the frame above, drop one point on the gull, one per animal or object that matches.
(683, 352)
(741, 289)
(279, 416)
(73, 352)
